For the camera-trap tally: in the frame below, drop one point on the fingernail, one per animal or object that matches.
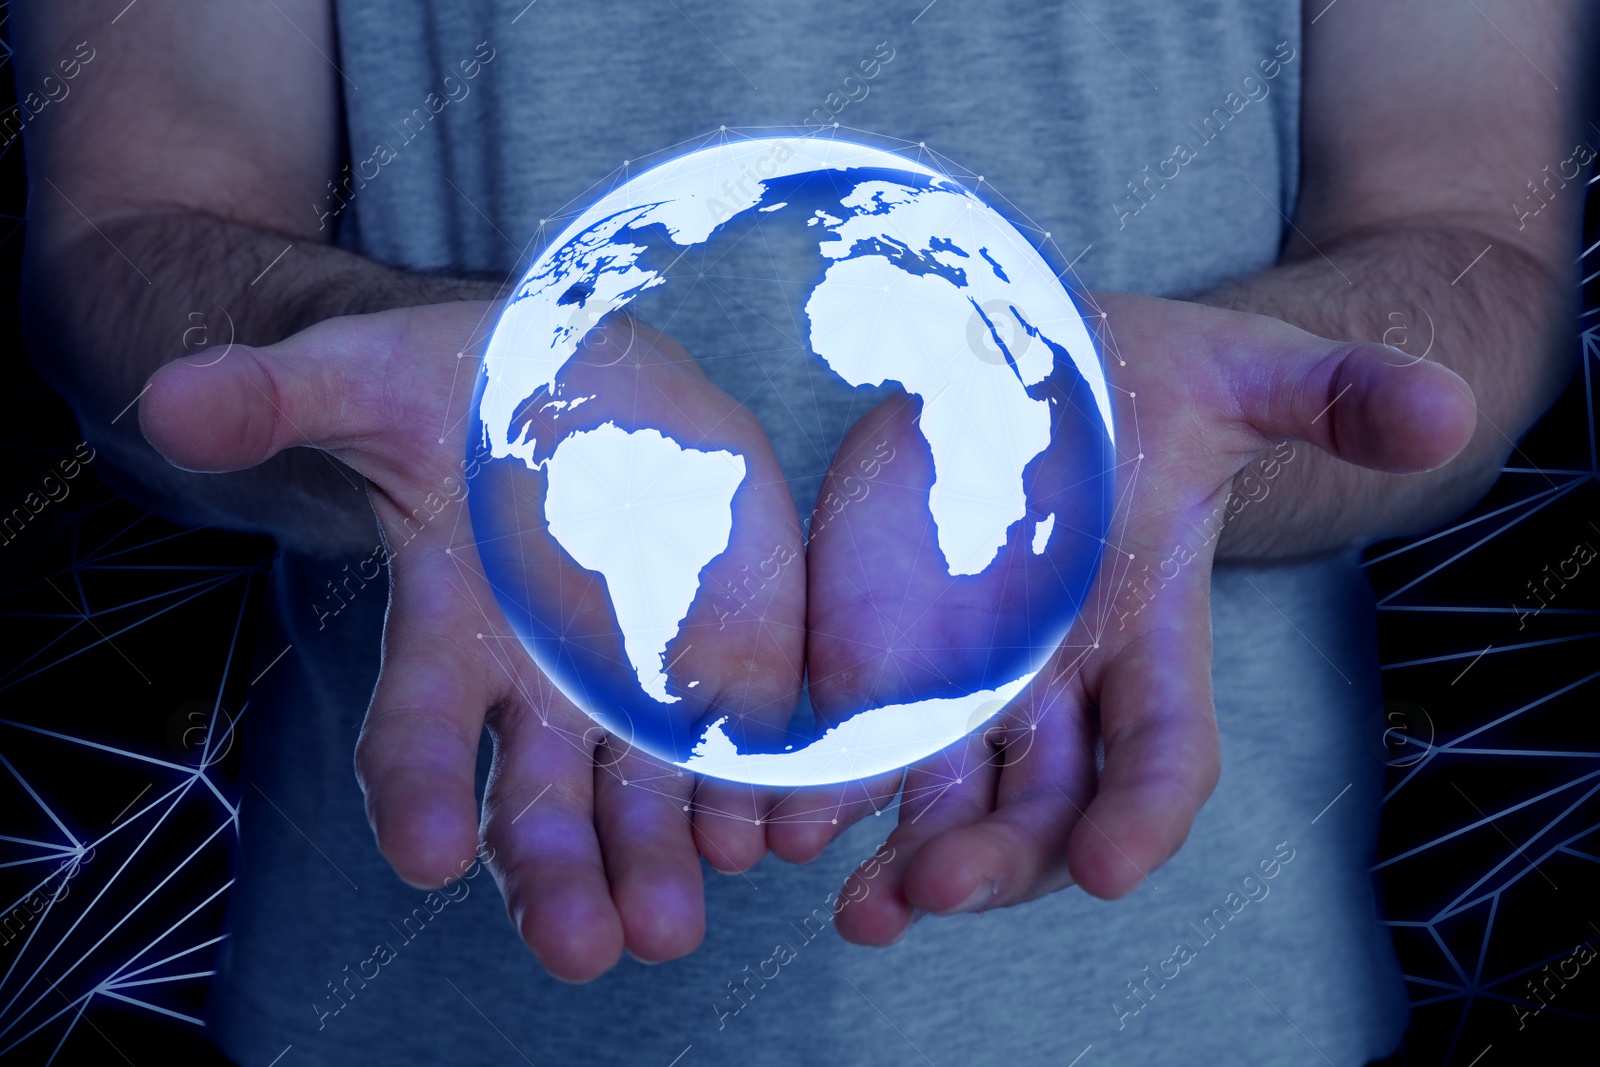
(980, 896)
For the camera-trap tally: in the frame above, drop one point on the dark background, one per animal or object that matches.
(127, 649)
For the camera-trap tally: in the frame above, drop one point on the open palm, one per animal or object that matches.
(1019, 809)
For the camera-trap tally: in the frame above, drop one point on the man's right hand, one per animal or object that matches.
(589, 864)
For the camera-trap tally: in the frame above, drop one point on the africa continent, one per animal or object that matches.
(900, 304)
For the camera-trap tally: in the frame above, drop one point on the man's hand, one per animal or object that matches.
(1018, 811)
(1415, 206)
(589, 864)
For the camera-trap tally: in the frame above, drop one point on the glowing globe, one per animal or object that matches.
(636, 527)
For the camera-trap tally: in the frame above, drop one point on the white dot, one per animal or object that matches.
(958, 781)
(1141, 455)
(1132, 395)
(1047, 233)
(724, 129)
(835, 822)
(686, 807)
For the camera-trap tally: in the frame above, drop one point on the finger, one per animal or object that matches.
(1360, 403)
(733, 820)
(215, 418)
(730, 823)
(346, 385)
(1368, 404)
(1018, 852)
(803, 822)
(418, 747)
(539, 813)
(539, 807)
(642, 817)
(954, 788)
(1158, 726)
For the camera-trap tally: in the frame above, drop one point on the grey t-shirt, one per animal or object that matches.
(469, 123)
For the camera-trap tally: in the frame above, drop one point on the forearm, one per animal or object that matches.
(1500, 325)
(106, 309)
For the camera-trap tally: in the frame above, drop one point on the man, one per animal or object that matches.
(202, 170)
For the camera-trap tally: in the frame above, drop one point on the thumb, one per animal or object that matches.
(365, 387)
(1367, 404)
(230, 414)
(236, 410)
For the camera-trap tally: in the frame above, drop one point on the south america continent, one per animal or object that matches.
(647, 514)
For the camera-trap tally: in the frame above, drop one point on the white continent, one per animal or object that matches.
(875, 321)
(1041, 533)
(868, 743)
(647, 514)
